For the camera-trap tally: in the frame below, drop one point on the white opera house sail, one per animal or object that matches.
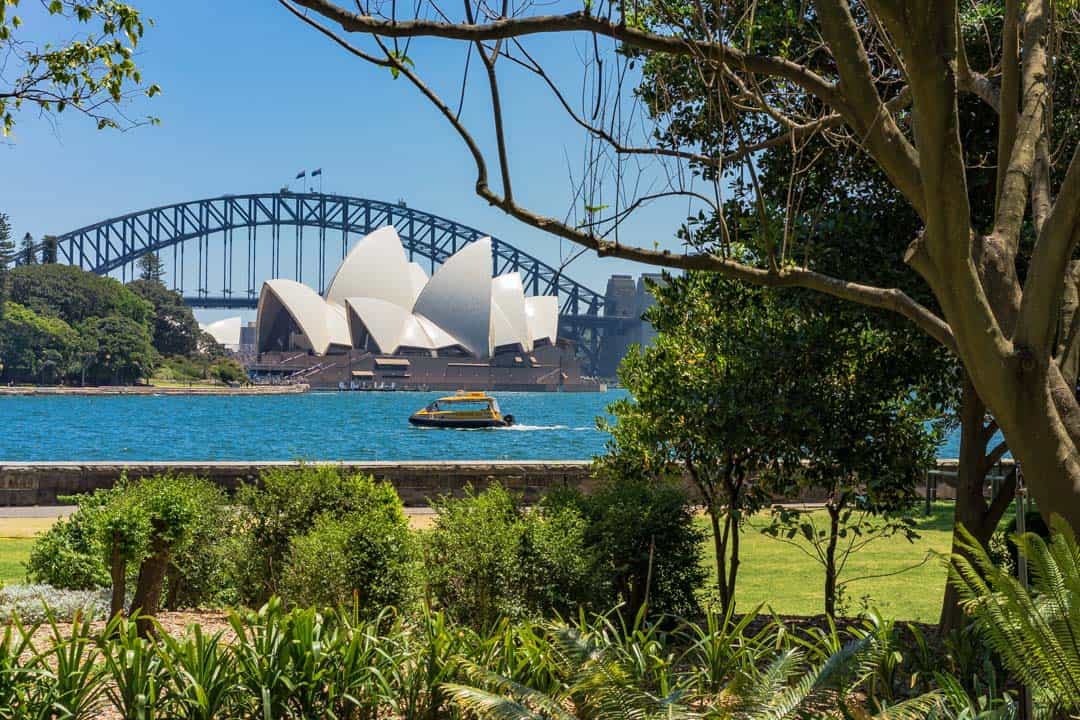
(383, 321)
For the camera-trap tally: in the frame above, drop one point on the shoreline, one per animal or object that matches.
(103, 390)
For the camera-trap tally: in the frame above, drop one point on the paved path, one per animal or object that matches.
(37, 511)
(25, 522)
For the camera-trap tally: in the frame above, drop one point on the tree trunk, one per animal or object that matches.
(733, 484)
(972, 510)
(719, 546)
(1040, 426)
(118, 571)
(830, 559)
(147, 598)
(733, 564)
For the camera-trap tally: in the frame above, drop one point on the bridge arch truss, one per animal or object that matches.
(219, 231)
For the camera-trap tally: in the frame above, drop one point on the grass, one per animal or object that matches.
(772, 573)
(910, 586)
(14, 552)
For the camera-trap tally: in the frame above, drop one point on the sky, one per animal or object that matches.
(251, 96)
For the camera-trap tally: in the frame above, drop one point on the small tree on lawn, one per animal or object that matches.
(704, 403)
(742, 386)
(866, 445)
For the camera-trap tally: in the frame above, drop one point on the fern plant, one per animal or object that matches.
(1036, 633)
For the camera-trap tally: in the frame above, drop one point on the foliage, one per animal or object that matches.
(151, 269)
(35, 348)
(201, 366)
(228, 371)
(122, 351)
(175, 330)
(488, 557)
(28, 250)
(472, 556)
(743, 386)
(641, 533)
(1036, 633)
(7, 255)
(36, 603)
(301, 663)
(92, 73)
(70, 554)
(75, 295)
(120, 524)
(199, 571)
(49, 249)
(705, 401)
(559, 565)
(831, 540)
(285, 504)
(366, 557)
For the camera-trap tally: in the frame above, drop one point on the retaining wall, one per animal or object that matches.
(46, 483)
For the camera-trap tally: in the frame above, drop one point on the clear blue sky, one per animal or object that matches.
(251, 96)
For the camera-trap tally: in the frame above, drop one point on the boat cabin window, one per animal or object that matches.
(433, 407)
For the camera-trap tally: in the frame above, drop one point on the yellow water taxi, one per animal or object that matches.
(464, 410)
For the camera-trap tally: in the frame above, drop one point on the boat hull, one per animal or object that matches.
(458, 424)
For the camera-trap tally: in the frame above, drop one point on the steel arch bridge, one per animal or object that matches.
(219, 231)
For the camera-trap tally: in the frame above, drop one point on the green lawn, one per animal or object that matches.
(14, 552)
(783, 578)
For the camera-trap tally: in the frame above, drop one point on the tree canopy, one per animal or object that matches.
(175, 330)
(92, 73)
(73, 295)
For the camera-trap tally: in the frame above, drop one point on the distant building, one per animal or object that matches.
(227, 332)
(628, 299)
(645, 300)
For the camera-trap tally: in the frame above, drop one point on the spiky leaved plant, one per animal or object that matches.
(1036, 632)
(599, 681)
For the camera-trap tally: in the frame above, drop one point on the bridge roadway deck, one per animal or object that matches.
(52, 483)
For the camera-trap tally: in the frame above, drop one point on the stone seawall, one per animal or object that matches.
(46, 483)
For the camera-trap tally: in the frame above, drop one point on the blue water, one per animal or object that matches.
(314, 426)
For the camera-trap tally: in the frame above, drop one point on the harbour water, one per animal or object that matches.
(313, 426)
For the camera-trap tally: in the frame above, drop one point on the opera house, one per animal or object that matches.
(382, 323)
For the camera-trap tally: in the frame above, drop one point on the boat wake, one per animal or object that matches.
(531, 428)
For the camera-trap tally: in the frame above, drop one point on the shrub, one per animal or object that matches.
(488, 557)
(283, 506)
(630, 519)
(200, 570)
(472, 556)
(116, 528)
(368, 552)
(228, 371)
(557, 562)
(36, 603)
(69, 555)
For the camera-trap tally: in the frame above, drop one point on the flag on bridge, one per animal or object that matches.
(303, 174)
(316, 172)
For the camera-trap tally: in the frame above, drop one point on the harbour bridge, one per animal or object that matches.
(235, 242)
